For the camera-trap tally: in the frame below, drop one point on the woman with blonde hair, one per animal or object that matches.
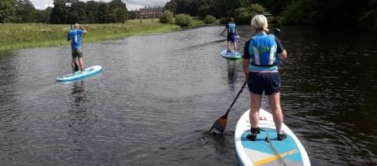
(260, 64)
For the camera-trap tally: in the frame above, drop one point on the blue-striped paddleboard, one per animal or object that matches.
(261, 152)
(80, 75)
(233, 55)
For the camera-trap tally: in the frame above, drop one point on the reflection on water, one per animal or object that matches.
(78, 133)
(158, 95)
(78, 116)
(232, 72)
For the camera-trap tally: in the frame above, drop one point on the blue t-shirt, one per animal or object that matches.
(74, 36)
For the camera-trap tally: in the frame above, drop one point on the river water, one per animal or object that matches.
(158, 96)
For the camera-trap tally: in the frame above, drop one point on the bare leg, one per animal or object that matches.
(81, 64)
(274, 101)
(255, 104)
(73, 64)
(228, 45)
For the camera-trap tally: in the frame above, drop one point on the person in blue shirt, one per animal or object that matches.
(74, 35)
(232, 36)
(262, 54)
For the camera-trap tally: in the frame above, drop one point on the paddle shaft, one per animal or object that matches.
(234, 101)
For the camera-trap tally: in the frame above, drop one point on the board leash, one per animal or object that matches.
(282, 162)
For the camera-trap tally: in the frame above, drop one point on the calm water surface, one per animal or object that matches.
(158, 95)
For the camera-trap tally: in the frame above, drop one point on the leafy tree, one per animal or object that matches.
(118, 11)
(103, 13)
(167, 17)
(43, 16)
(60, 13)
(370, 17)
(243, 15)
(275, 7)
(132, 15)
(92, 11)
(171, 6)
(25, 11)
(206, 8)
(7, 10)
(325, 13)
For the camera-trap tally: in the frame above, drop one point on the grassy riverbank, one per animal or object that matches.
(17, 36)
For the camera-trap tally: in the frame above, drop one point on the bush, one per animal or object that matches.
(244, 15)
(297, 14)
(167, 17)
(224, 20)
(183, 20)
(209, 19)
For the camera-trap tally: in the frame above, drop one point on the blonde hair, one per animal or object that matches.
(259, 23)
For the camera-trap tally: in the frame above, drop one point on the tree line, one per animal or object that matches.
(23, 11)
(288, 12)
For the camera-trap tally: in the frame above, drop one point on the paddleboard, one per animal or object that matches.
(233, 55)
(80, 75)
(289, 151)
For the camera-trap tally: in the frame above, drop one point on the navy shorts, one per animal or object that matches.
(232, 38)
(259, 82)
(77, 53)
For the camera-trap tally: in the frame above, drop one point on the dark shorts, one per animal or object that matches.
(77, 53)
(231, 38)
(259, 82)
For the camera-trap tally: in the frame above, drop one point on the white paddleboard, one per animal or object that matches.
(233, 55)
(261, 152)
(80, 75)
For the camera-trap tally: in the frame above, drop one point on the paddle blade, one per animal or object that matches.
(219, 126)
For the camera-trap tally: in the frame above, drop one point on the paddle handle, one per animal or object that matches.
(234, 101)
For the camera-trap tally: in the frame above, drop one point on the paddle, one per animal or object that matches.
(219, 125)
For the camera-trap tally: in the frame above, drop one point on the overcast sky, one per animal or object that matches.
(131, 4)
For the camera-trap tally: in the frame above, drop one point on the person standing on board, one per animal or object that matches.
(74, 35)
(232, 35)
(260, 64)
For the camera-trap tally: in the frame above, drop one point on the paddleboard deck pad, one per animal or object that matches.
(271, 151)
(233, 55)
(79, 74)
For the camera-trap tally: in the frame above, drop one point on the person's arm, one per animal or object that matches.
(226, 27)
(246, 58)
(68, 38)
(83, 28)
(237, 32)
(280, 49)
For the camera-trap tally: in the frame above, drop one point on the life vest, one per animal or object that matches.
(231, 28)
(262, 49)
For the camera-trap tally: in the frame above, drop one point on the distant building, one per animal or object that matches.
(149, 12)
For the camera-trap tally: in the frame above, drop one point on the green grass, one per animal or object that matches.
(17, 36)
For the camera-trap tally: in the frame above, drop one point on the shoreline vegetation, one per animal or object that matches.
(31, 35)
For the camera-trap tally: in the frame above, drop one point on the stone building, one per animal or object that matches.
(149, 12)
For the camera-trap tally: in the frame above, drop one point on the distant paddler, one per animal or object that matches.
(74, 35)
